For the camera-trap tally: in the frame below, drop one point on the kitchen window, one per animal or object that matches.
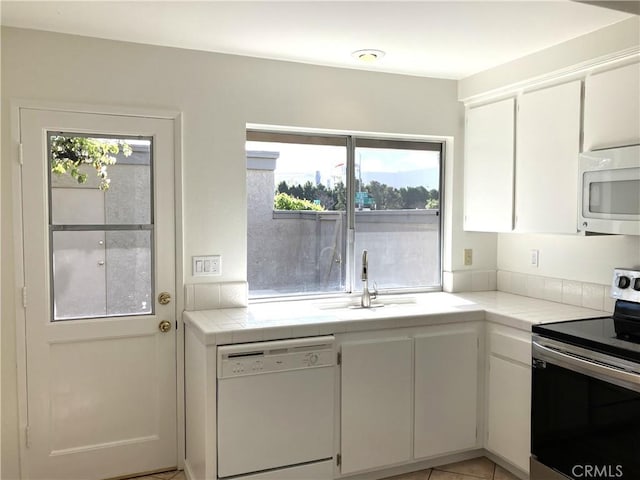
(315, 202)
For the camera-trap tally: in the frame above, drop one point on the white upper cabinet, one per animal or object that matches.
(612, 108)
(488, 167)
(547, 149)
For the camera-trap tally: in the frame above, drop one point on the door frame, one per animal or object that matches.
(15, 106)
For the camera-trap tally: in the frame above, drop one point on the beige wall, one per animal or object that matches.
(218, 94)
(622, 36)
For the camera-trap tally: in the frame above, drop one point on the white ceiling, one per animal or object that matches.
(444, 39)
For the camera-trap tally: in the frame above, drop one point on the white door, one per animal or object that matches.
(489, 167)
(101, 376)
(547, 149)
(446, 390)
(509, 415)
(376, 385)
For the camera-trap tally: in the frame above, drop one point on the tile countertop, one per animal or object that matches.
(288, 319)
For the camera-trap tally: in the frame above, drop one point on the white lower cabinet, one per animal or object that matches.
(376, 384)
(509, 395)
(408, 395)
(446, 386)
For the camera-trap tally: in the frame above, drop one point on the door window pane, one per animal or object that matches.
(126, 201)
(101, 238)
(128, 272)
(79, 281)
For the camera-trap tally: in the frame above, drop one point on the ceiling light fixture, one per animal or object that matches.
(368, 55)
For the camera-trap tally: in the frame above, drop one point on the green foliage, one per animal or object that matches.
(433, 203)
(284, 201)
(384, 196)
(387, 198)
(68, 154)
(330, 199)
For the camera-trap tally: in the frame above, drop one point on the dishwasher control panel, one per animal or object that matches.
(267, 357)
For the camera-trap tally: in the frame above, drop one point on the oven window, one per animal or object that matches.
(584, 427)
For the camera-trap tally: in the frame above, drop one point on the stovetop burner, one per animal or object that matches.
(620, 338)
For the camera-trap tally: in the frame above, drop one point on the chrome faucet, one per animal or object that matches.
(367, 296)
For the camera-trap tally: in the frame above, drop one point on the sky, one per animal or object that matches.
(398, 168)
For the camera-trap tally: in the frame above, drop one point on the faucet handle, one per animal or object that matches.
(374, 294)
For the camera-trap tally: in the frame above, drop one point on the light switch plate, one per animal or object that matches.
(206, 265)
(468, 256)
(535, 258)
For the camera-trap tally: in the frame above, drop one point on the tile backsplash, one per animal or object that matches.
(571, 292)
(208, 296)
(469, 281)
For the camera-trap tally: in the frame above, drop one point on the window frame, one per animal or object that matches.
(368, 140)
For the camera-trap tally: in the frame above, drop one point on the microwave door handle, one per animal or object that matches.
(600, 371)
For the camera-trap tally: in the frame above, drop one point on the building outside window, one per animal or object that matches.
(316, 202)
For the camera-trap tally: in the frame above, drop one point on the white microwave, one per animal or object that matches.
(609, 191)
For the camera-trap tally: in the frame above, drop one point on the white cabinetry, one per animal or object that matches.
(509, 395)
(376, 384)
(612, 108)
(446, 385)
(408, 395)
(548, 144)
(488, 167)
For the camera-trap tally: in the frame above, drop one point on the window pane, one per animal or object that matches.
(296, 218)
(126, 201)
(397, 216)
(78, 275)
(128, 272)
(97, 273)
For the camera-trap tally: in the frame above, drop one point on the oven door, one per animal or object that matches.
(585, 413)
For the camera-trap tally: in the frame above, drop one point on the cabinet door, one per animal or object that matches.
(446, 384)
(376, 412)
(488, 167)
(509, 416)
(612, 108)
(548, 144)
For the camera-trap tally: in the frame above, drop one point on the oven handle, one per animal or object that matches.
(601, 371)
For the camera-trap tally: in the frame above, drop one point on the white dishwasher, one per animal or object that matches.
(275, 409)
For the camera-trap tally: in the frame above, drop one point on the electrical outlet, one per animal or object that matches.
(207, 265)
(535, 258)
(468, 256)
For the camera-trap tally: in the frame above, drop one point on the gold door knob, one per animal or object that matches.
(164, 326)
(164, 298)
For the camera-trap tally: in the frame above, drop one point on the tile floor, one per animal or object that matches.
(175, 475)
(476, 469)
